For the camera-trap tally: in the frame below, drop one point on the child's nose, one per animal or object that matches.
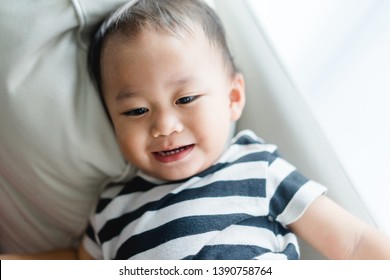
(166, 123)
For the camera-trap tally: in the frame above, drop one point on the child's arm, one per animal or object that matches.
(83, 254)
(339, 235)
(65, 254)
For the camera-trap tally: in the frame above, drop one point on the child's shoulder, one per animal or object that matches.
(247, 144)
(246, 137)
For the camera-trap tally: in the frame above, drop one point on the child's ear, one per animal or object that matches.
(237, 96)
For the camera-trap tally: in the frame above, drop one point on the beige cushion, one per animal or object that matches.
(57, 147)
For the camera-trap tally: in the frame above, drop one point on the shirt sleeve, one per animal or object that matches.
(290, 192)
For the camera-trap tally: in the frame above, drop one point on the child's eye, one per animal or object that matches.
(136, 112)
(186, 99)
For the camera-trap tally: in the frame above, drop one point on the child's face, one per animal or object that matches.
(171, 101)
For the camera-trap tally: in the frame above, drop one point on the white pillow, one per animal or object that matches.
(56, 146)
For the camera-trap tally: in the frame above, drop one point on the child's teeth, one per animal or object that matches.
(172, 152)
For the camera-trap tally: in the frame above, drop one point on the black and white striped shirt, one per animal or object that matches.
(239, 208)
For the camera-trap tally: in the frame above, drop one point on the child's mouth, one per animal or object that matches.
(174, 154)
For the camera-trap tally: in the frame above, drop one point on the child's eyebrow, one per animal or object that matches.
(181, 81)
(125, 95)
(175, 82)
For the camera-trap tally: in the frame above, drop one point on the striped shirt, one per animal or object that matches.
(239, 208)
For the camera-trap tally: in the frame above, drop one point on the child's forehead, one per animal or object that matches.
(193, 34)
(147, 39)
(152, 46)
(177, 60)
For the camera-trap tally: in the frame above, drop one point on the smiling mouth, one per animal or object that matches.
(174, 154)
